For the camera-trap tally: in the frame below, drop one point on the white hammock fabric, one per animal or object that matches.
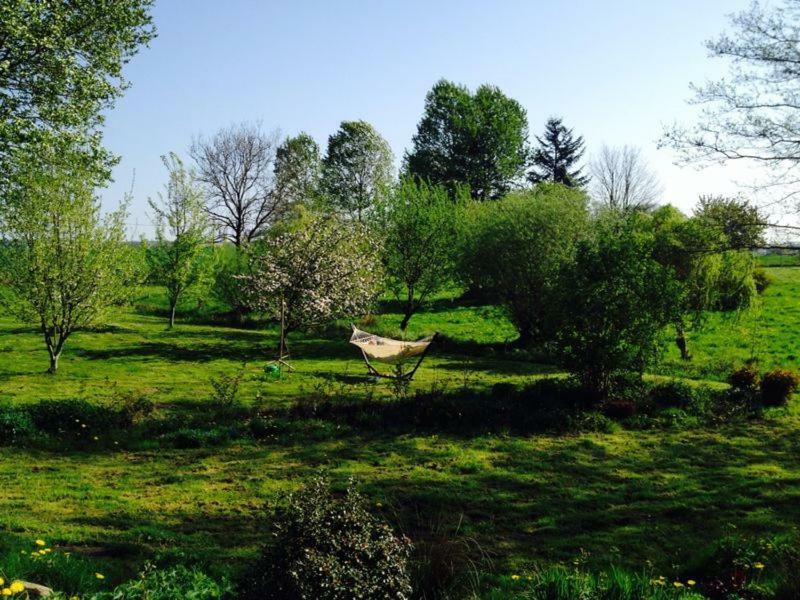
(386, 349)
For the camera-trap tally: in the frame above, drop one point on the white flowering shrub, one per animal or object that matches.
(322, 268)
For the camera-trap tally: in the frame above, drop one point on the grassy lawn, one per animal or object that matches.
(624, 497)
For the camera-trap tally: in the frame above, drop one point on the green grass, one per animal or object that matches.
(625, 497)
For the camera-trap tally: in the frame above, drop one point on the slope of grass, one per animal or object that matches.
(624, 497)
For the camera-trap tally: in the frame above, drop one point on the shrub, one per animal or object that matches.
(135, 406)
(77, 418)
(225, 396)
(169, 584)
(330, 548)
(16, 425)
(762, 280)
(777, 386)
(615, 301)
(672, 394)
(744, 378)
(619, 409)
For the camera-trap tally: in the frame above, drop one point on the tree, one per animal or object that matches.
(739, 223)
(182, 232)
(754, 113)
(61, 68)
(615, 301)
(236, 167)
(557, 156)
(357, 169)
(313, 271)
(515, 250)
(68, 264)
(298, 169)
(478, 140)
(622, 180)
(417, 223)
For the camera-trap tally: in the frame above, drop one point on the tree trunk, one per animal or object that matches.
(409, 310)
(680, 340)
(172, 316)
(53, 362)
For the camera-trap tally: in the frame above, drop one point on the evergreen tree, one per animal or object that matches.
(557, 156)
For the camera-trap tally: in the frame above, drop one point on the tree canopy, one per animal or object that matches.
(478, 140)
(557, 156)
(358, 168)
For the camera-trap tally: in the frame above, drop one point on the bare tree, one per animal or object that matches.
(622, 179)
(753, 114)
(236, 167)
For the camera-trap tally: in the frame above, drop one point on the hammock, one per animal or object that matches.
(389, 351)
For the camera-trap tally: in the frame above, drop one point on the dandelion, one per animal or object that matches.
(99, 575)
(7, 592)
(759, 565)
(678, 584)
(16, 587)
(40, 543)
(515, 577)
(691, 582)
(2, 581)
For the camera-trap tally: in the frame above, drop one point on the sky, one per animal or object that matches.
(617, 71)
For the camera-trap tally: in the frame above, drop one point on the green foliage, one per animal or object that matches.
(182, 232)
(76, 418)
(745, 378)
(739, 222)
(169, 584)
(762, 280)
(357, 169)
(417, 225)
(69, 264)
(61, 67)
(560, 583)
(231, 268)
(672, 394)
(478, 140)
(16, 425)
(298, 168)
(331, 548)
(777, 386)
(516, 249)
(615, 301)
(557, 156)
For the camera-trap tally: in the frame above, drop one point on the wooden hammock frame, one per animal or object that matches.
(401, 376)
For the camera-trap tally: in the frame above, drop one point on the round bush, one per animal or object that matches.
(777, 386)
(330, 548)
(744, 378)
(672, 394)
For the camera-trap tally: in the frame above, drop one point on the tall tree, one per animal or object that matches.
(236, 167)
(418, 225)
(298, 168)
(478, 140)
(68, 264)
(557, 156)
(61, 67)
(622, 180)
(753, 114)
(182, 232)
(357, 169)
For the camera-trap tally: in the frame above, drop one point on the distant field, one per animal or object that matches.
(625, 497)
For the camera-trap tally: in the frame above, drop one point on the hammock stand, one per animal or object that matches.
(391, 351)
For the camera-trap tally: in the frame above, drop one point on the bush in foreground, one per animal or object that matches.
(777, 386)
(329, 548)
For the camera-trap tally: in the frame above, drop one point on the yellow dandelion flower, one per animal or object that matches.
(99, 575)
(2, 581)
(515, 577)
(759, 565)
(691, 581)
(34, 554)
(17, 586)
(7, 592)
(678, 584)
(40, 543)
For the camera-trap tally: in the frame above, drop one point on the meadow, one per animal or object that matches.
(643, 499)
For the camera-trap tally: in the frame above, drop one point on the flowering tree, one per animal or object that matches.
(315, 271)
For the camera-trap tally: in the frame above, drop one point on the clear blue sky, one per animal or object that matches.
(616, 70)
